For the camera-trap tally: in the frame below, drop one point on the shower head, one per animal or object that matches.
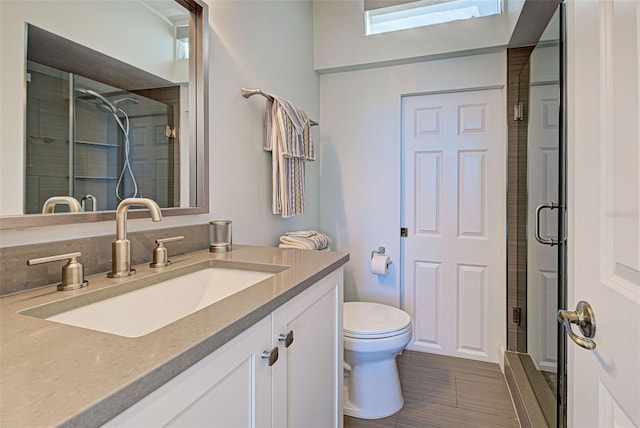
(105, 105)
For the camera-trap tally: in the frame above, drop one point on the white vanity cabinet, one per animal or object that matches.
(235, 386)
(308, 377)
(231, 386)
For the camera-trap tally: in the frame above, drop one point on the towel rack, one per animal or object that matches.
(246, 92)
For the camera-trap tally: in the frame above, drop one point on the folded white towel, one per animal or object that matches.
(306, 240)
(303, 233)
(304, 243)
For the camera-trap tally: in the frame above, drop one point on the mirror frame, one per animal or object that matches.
(199, 32)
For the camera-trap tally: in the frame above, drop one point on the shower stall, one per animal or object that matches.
(536, 270)
(98, 143)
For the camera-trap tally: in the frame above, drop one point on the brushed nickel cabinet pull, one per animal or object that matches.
(271, 356)
(287, 338)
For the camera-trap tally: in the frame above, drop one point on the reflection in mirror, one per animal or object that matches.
(123, 145)
(109, 119)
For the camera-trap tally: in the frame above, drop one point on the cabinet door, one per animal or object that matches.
(307, 381)
(229, 388)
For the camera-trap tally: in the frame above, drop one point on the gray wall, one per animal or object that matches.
(265, 44)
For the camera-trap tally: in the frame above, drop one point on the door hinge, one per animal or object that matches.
(404, 232)
(169, 132)
(516, 315)
(518, 112)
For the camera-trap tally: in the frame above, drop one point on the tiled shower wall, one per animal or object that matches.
(517, 91)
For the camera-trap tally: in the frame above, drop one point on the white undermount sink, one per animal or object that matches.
(140, 312)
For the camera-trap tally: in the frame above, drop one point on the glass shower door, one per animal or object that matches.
(542, 175)
(543, 180)
(536, 275)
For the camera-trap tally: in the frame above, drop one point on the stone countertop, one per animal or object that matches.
(54, 374)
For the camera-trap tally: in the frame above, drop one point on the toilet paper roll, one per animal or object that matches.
(380, 264)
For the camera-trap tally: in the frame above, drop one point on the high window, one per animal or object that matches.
(382, 16)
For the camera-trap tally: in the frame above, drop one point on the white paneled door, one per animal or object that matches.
(603, 241)
(454, 195)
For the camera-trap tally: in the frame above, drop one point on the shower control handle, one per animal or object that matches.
(540, 239)
(585, 319)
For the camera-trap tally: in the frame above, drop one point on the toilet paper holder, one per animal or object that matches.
(380, 252)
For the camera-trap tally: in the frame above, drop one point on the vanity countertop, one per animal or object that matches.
(54, 374)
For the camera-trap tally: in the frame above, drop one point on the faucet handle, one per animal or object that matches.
(72, 271)
(160, 253)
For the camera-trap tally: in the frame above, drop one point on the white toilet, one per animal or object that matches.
(374, 335)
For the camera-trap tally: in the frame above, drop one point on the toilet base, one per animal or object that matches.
(373, 391)
(355, 412)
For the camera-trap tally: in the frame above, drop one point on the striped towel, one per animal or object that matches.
(306, 240)
(286, 135)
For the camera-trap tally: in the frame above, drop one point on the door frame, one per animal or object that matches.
(402, 273)
(561, 390)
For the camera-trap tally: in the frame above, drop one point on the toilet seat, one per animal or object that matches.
(366, 320)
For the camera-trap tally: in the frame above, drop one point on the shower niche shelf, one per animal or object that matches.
(77, 177)
(95, 143)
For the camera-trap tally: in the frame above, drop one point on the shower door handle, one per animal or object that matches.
(540, 239)
(585, 319)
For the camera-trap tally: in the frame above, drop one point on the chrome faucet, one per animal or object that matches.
(121, 247)
(50, 204)
(94, 202)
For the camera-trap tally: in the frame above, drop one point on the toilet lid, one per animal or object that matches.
(364, 319)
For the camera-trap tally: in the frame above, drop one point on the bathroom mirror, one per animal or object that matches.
(114, 106)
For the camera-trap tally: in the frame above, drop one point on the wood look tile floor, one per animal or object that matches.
(447, 392)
